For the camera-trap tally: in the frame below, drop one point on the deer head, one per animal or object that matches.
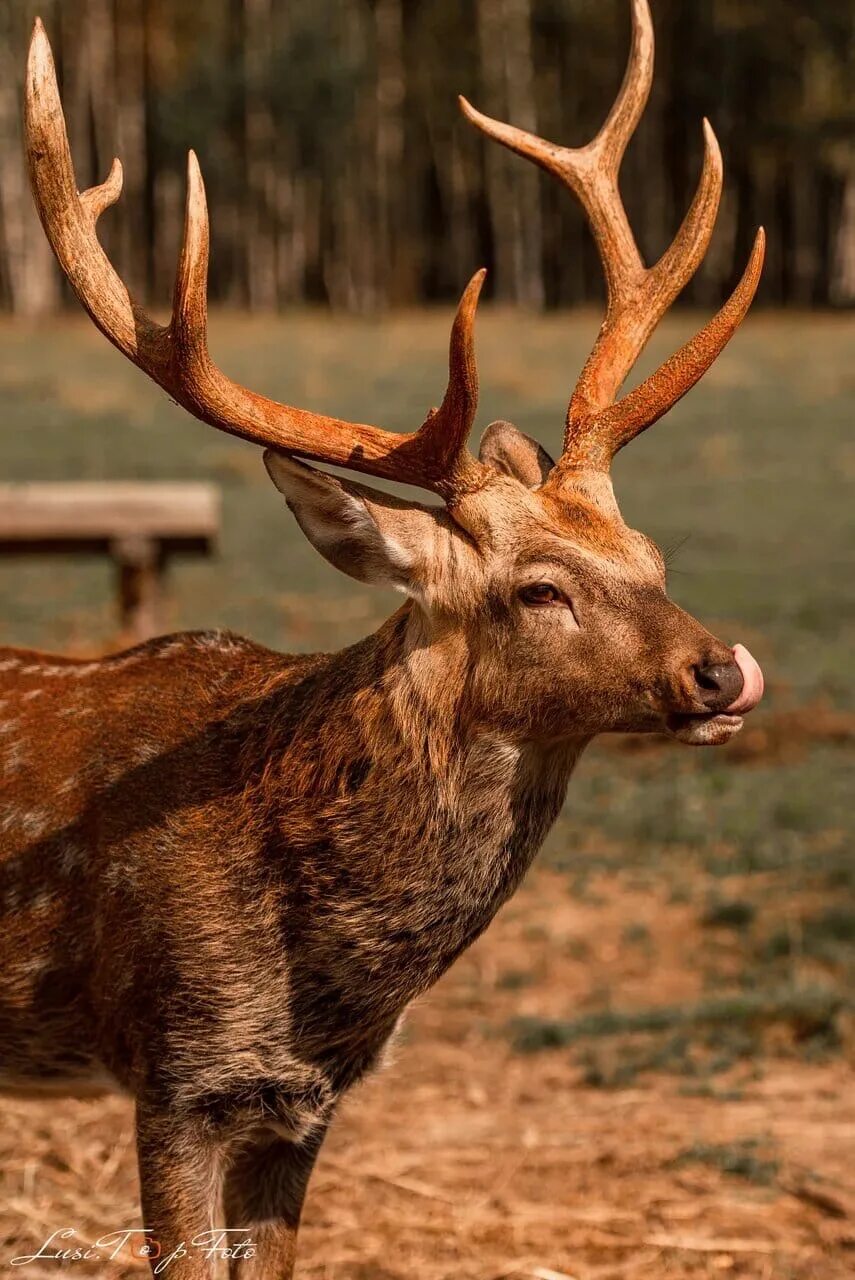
(559, 607)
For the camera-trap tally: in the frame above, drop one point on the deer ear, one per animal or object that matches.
(509, 450)
(369, 535)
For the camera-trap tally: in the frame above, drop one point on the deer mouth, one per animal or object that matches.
(705, 730)
(713, 729)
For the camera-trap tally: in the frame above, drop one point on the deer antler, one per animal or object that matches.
(637, 296)
(176, 355)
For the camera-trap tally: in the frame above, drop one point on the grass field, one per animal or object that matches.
(645, 1067)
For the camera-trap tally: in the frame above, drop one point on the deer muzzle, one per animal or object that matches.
(714, 728)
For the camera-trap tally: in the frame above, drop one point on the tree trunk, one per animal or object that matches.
(260, 139)
(513, 193)
(389, 153)
(134, 238)
(28, 277)
(842, 284)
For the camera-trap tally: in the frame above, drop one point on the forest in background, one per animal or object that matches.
(340, 172)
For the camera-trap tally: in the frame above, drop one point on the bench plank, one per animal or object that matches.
(104, 511)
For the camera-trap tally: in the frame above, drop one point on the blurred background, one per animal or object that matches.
(340, 170)
(645, 1066)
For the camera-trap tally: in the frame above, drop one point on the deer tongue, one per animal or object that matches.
(752, 687)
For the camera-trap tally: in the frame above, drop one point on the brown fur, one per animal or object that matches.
(225, 873)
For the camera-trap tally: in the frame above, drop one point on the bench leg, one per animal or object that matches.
(139, 564)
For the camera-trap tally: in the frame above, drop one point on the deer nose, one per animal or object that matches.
(718, 684)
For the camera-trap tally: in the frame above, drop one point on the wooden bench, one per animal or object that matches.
(139, 525)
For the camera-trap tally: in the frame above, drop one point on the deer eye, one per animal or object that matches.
(538, 594)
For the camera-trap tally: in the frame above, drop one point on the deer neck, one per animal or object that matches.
(390, 722)
(418, 818)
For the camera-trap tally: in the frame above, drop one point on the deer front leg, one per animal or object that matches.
(264, 1191)
(179, 1181)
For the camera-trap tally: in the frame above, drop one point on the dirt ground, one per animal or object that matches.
(467, 1159)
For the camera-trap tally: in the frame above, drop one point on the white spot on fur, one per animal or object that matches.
(174, 646)
(35, 823)
(218, 641)
(145, 751)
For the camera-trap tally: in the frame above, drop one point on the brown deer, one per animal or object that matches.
(226, 872)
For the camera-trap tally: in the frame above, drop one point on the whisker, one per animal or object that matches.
(673, 549)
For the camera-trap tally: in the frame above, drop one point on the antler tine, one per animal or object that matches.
(437, 453)
(176, 356)
(189, 323)
(637, 296)
(69, 219)
(622, 121)
(445, 431)
(598, 438)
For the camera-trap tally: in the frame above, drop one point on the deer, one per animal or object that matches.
(225, 872)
